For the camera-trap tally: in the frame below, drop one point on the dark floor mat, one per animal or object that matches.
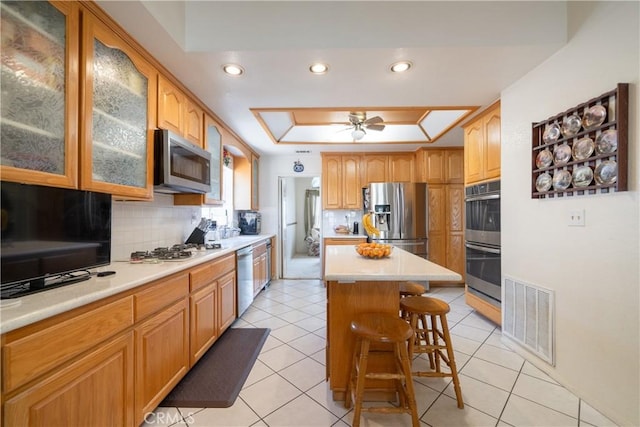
(216, 380)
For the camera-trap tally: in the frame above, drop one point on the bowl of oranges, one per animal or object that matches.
(374, 250)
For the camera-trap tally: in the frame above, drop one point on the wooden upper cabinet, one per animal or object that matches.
(194, 124)
(440, 166)
(171, 106)
(179, 113)
(375, 168)
(401, 167)
(341, 188)
(331, 181)
(40, 84)
(454, 166)
(492, 136)
(246, 179)
(482, 147)
(430, 166)
(473, 152)
(119, 95)
(351, 188)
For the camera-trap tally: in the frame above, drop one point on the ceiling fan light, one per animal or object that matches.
(319, 68)
(357, 134)
(233, 69)
(401, 67)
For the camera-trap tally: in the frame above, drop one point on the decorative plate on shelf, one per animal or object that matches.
(551, 133)
(583, 148)
(582, 176)
(561, 180)
(561, 154)
(571, 125)
(543, 183)
(594, 117)
(544, 159)
(607, 172)
(607, 142)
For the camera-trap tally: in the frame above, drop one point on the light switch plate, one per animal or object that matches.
(576, 218)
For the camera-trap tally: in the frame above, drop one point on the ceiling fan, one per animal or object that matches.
(360, 122)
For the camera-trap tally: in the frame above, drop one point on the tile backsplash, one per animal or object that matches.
(141, 226)
(148, 225)
(333, 217)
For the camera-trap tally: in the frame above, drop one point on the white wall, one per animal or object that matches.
(271, 168)
(593, 269)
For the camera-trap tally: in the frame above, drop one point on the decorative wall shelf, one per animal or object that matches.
(582, 150)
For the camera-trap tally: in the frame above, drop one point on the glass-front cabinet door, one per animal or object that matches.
(213, 144)
(39, 86)
(120, 98)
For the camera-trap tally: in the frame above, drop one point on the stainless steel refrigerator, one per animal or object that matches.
(401, 213)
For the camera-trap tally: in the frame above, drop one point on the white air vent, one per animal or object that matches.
(528, 317)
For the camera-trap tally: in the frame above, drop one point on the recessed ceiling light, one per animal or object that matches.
(233, 69)
(319, 68)
(401, 67)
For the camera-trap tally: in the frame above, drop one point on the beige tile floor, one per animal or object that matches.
(286, 386)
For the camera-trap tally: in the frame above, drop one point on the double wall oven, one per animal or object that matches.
(482, 241)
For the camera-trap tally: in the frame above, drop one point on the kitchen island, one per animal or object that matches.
(359, 285)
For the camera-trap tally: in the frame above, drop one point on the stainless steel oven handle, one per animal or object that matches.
(483, 197)
(483, 248)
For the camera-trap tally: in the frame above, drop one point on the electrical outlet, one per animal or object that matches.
(576, 218)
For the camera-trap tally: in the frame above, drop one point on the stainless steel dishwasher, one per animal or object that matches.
(245, 278)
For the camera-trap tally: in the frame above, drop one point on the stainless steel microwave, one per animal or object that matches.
(179, 166)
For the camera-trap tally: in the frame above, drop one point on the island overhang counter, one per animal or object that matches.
(355, 285)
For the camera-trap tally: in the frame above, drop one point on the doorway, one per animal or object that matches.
(300, 227)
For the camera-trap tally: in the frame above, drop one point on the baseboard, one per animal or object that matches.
(489, 311)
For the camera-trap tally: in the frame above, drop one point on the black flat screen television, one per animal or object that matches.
(49, 233)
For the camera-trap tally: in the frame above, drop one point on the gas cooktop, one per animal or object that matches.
(179, 252)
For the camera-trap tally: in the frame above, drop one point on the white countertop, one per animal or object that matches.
(330, 234)
(343, 264)
(18, 312)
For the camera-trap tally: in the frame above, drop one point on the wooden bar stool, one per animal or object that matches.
(411, 289)
(381, 328)
(408, 289)
(419, 308)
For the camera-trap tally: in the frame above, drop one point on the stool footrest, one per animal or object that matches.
(384, 376)
(387, 410)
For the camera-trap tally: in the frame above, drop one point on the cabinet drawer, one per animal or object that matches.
(161, 294)
(259, 249)
(200, 277)
(35, 354)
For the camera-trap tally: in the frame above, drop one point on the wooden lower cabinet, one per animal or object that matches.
(227, 307)
(446, 227)
(95, 390)
(212, 303)
(162, 356)
(111, 362)
(204, 320)
(259, 267)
